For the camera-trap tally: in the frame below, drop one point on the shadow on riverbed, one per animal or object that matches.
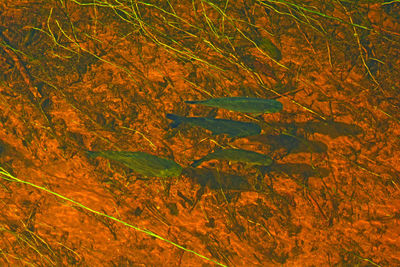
(330, 128)
(302, 170)
(290, 144)
(214, 179)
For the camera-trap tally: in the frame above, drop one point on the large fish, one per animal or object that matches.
(142, 163)
(242, 104)
(218, 126)
(237, 155)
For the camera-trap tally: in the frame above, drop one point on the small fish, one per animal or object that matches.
(267, 46)
(238, 155)
(242, 104)
(142, 163)
(218, 126)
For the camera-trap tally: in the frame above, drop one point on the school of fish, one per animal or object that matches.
(150, 165)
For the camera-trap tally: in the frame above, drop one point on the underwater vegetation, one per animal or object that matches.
(306, 186)
(242, 104)
(218, 126)
(142, 163)
(236, 155)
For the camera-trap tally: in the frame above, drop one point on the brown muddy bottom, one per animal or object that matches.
(102, 75)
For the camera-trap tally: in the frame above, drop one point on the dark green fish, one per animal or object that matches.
(267, 46)
(238, 155)
(218, 126)
(142, 163)
(242, 104)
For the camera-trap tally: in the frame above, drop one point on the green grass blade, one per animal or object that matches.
(7, 176)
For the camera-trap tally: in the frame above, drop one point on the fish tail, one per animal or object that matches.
(196, 163)
(177, 120)
(92, 154)
(191, 102)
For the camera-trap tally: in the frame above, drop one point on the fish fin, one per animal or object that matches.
(191, 102)
(177, 120)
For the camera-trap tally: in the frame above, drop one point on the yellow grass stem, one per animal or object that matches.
(7, 176)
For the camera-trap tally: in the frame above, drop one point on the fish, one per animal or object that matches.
(218, 126)
(237, 155)
(142, 163)
(242, 104)
(267, 46)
